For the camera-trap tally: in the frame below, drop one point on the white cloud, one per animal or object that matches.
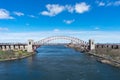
(117, 3)
(53, 9)
(4, 14)
(82, 7)
(68, 21)
(97, 28)
(70, 8)
(109, 3)
(56, 30)
(19, 13)
(101, 4)
(32, 16)
(3, 29)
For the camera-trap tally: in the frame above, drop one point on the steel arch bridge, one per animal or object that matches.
(74, 40)
(31, 46)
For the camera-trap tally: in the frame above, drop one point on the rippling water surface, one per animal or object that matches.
(57, 63)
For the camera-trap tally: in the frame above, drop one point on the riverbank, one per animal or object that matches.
(104, 55)
(107, 56)
(13, 55)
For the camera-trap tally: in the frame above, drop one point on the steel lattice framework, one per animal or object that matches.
(72, 39)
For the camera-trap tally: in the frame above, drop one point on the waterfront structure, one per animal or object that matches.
(31, 46)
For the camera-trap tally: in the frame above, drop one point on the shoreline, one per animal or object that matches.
(100, 58)
(104, 60)
(12, 59)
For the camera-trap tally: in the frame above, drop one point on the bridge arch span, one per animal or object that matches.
(52, 38)
(30, 46)
(76, 42)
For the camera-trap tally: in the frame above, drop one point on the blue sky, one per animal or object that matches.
(30, 16)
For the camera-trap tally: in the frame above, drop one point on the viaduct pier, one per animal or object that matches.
(106, 53)
(31, 46)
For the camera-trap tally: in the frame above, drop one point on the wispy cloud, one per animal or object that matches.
(108, 3)
(18, 13)
(117, 3)
(56, 30)
(96, 28)
(98, 36)
(3, 29)
(32, 16)
(4, 14)
(70, 8)
(68, 21)
(101, 4)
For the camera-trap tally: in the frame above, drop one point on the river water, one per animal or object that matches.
(57, 63)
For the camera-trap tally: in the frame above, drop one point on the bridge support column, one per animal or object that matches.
(12, 47)
(3, 48)
(30, 46)
(7, 47)
(91, 44)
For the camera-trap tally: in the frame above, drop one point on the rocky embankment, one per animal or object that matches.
(103, 55)
(107, 55)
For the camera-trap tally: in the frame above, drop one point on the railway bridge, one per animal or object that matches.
(32, 45)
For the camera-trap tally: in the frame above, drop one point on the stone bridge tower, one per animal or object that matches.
(91, 44)
(30, 45)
